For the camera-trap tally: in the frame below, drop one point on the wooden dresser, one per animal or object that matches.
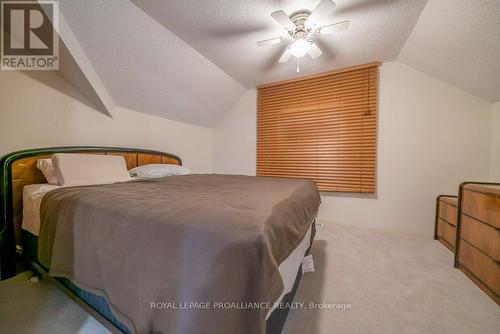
(477, 251)
(446, 221)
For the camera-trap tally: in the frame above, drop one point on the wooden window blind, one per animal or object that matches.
(321, 127)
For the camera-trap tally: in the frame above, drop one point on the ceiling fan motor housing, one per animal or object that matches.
(299, 20)
(303, 27)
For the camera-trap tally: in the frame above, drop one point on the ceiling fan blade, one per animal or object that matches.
(322, 10)
(285, 56)
(328, 29)
(283, 19)
(315, 51)
(271, 41)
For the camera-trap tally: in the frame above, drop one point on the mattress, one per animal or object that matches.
(34, 193)
(32, 197)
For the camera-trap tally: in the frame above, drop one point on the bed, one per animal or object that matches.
(194, 199)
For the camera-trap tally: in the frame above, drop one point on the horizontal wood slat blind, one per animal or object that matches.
(322, 128)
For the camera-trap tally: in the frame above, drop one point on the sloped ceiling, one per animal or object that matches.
(147, 68)
(459, 42)
(225, 31)
(75, 68)
(72, 72)
(190, 61)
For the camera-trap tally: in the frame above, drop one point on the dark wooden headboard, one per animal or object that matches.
(18, 169)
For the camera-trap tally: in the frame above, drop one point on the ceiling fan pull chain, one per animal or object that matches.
(298, 64)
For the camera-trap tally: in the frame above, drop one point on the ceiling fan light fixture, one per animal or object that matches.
(300, 47)
(302, 30)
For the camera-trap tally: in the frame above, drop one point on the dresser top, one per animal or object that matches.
(449, 199)
(490, 189)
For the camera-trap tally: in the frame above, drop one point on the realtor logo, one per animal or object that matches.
(29, 39)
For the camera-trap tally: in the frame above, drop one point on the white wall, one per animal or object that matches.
(431, 136)
(495, 143)
(235, 138)
(41, 109)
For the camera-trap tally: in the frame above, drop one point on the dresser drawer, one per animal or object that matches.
(481, 266)
(484, 207)
(447, 232)
(483, 236)
(447, 212)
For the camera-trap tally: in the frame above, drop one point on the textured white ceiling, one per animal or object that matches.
(147, 68)
(77, 69)
(72, 72)
(70, 69)
(458, 41)
(225, 31)
(188, 60)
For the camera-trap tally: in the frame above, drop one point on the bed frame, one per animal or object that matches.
(18, 169)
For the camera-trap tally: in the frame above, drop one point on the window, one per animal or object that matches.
(321, 127)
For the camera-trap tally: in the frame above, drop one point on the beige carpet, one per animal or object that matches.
(41, 308)
(395, 284)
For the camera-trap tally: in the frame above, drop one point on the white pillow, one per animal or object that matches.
(48, 170)
(158, 170)
(86, 169)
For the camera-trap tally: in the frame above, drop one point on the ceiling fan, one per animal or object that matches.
(303, 27)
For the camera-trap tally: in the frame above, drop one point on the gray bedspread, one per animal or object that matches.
(205, 239)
